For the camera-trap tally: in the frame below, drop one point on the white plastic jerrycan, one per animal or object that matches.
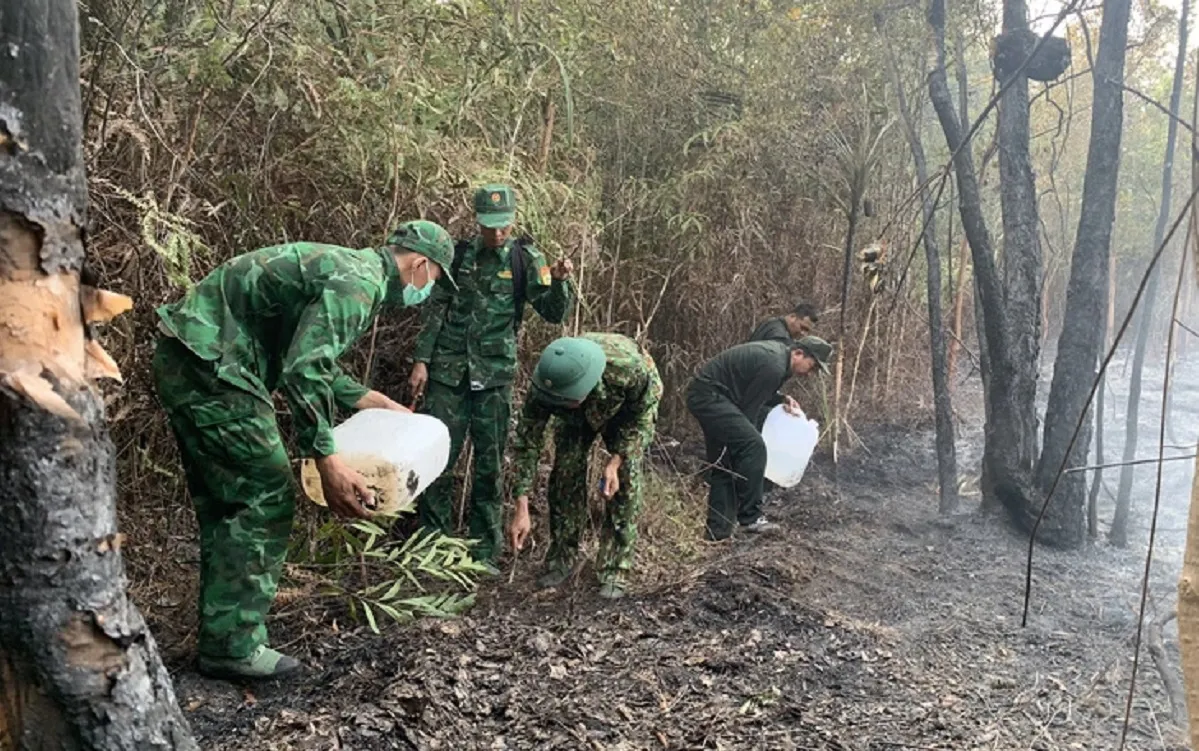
(790, 440)
(400, 454)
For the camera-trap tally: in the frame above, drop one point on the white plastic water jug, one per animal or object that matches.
(790, 440)
(400, 454)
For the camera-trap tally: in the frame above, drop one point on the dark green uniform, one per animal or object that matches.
(468, 341)
(622, 409)
(725, 396)
(772, 329)
(271, 320)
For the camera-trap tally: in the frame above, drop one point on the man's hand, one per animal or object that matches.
(562, 269)
(379, 400)
(520, 526)
(417, 380)
(791, 407)
(610, 482)
(345, 490)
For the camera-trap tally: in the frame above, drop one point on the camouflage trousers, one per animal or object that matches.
(243, 491)
(483, 415)
(568, 494)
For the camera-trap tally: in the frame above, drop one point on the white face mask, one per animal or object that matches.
(414, 295)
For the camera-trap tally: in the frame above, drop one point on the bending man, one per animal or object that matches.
(274, 319)
(594, 385)
(727, 394)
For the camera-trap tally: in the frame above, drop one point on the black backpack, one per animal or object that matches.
(519, 264)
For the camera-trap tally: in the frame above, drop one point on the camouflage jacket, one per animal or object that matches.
(471, 333)
(279, 317)
(623, 408)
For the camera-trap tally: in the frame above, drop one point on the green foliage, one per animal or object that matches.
(393, 577)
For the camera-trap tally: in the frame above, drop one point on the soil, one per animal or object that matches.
(867, 624)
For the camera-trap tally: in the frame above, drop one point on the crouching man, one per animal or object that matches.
(726, 396)
(594, 385)
(274, 319)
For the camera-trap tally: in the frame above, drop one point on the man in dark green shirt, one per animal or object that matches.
(273, 320)
(793, 326)
(725, 396)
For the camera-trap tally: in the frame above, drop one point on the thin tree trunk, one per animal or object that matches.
(1118, 534)
(958, 300)
(78, 667)
(1100, 405)
(839, 370)
(1188, 611)
(943, 410)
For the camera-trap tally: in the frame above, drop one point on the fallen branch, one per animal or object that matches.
(1171, 680)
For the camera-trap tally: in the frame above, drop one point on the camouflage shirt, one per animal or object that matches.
(279, 317)
(623, 408)
(470, 333)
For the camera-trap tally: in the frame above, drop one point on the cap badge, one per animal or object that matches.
(495, 197)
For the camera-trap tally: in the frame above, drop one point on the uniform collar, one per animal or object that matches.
(501, 251)
(391, 277)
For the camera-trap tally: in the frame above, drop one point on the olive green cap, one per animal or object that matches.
(429, 240)
(818, 349)
(495, 206)
(568, 371)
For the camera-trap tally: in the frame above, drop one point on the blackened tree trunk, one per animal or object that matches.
(1011, 456)
(1005, 476)
(1118, 534)
(947, 469)
(78, 667)
(1081, 340)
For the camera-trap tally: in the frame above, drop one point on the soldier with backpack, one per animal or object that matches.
(466, 357)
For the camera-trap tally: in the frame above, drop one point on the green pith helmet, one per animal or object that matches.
(818, 349)
(495, 206)
(568, 371)
(429, 240)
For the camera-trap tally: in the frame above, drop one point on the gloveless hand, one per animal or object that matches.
(345, 490)
(562, 269)
(520, 526)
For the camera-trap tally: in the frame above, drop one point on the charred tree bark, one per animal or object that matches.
(78, 667)
(1118, 534)
(1100, 406)
(1010, 458)
(1081, 340)
(1005, 476)
(947, 468)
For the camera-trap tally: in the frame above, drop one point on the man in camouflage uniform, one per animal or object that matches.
(593, 385)
(274, 319)
(466, 356)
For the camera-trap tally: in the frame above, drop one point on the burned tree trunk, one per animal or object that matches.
(1007, 457)
(1118, 534)
(947, 469)
(78, 667)
(1081, 340)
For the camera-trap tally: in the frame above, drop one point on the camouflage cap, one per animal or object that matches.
(568, 371)
(495, 206)
(429, 240)
(816, 348)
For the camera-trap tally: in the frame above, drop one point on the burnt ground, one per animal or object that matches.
(868, 624)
